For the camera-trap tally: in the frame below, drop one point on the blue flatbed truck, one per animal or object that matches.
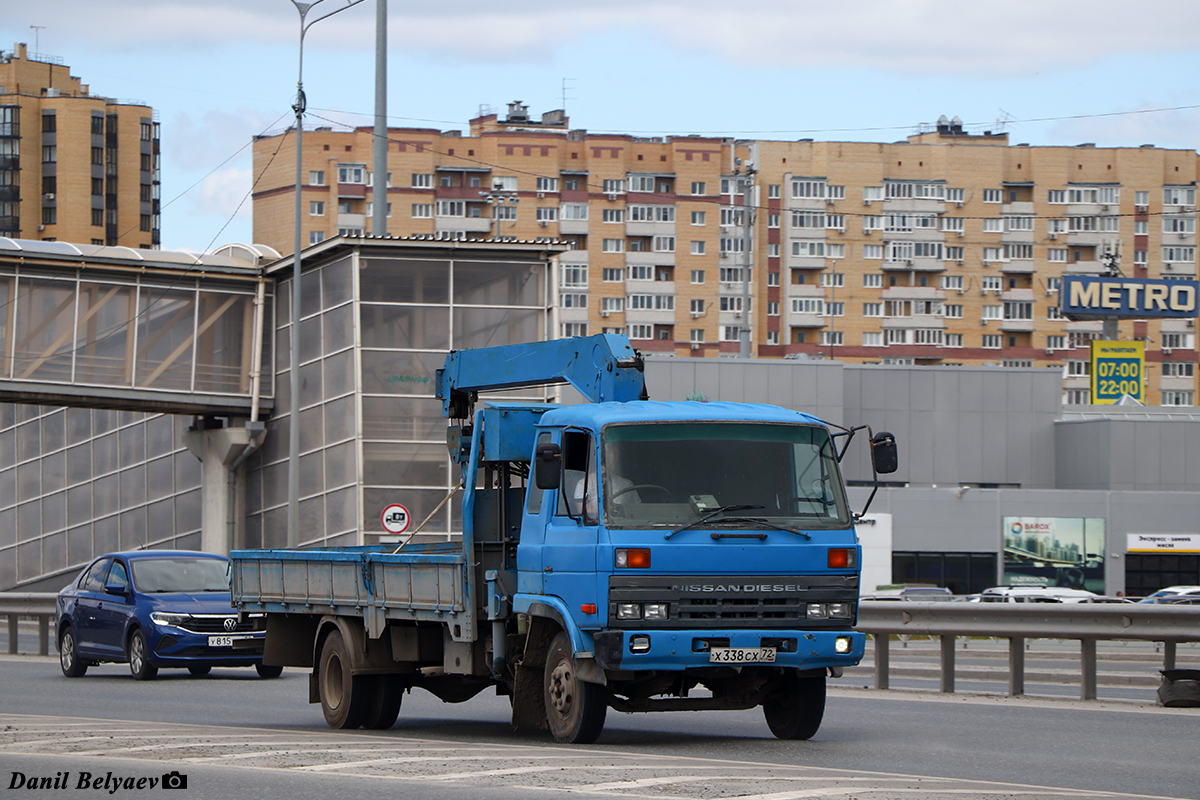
(621, 553)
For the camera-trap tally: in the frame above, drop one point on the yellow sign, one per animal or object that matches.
(1118, 369)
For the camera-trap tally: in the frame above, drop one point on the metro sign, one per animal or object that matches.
(1085, 296)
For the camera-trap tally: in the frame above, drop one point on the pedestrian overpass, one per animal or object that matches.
(135, 330)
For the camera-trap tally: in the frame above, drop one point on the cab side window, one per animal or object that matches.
(577, 495)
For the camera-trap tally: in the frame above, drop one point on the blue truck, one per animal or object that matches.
(620, 553)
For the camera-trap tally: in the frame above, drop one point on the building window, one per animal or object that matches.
(697, 276)
(573, 276)
(772, 279)
(872, 309)
(573, 211)
(831, 337)
(993, 196)
(613, 246)
(569, 300)
(352, 173)
(1077, 397)
(316, 208)
(547, 214)
(50, 154)
(98, 216)
(833, 279)
(640, 272)
(730, 333)
(640, 331)
(547, 184)
(316, 237)
(872, 339)
(698, 187)
(50, 216)
(1177, 398)
(570, 329)
(316, 177)
(144, 222)
(697, 248)
(992, 341)
(697, 335)
(952, 340)
(422, 210)
(420, 180)
(663, 244)
(773, 191)
(612, 275)
(613, 186)
(451, 208)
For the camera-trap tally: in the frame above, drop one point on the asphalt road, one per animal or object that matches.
(232, 729)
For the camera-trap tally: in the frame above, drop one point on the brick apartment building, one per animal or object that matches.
(74, 166)
(946, 248)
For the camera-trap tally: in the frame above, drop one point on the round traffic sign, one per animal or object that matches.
(395, 518)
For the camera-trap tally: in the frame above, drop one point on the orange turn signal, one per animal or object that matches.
(841, 558)
(632, 559)
(588, 608)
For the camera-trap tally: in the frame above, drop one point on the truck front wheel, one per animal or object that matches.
(343, 696)
(795, 708)
(575, 710)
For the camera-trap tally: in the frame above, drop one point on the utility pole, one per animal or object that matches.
(746, 184)
(379, 194)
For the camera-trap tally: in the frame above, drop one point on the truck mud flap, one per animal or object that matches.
(528, 700)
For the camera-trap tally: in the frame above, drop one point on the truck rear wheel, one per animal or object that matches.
(384, 704)
(575, 710)
(794, 710)
(344, 697)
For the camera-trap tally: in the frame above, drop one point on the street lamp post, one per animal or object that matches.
(497, 198)
(293, 517)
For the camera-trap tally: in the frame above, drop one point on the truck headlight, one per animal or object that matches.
(629, 610)
(839, 611)
(841, 645)
(654, 611)
(817, 611)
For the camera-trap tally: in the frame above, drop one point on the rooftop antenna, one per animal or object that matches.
(36, 38)
(1003, 120)
(565, 98)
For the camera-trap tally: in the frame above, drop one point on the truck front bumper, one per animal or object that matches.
(690, 649)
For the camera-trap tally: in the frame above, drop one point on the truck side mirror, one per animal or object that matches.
(883, 453)
(547, 465)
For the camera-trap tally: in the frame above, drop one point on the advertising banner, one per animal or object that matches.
(1054, 551)
(1091, 296)
(1163, 542)
(1118, 369)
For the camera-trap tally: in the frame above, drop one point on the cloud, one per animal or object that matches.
(1147, 124)
(202, 142)
(992, 38)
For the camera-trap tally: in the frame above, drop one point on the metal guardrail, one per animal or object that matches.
(28, 604)
(1017, 622)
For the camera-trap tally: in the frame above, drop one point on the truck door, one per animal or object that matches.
(569, 551)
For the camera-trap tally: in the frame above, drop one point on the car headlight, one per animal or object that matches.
(167, 619)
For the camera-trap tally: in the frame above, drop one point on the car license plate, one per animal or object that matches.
(742, 655)
(224, 641)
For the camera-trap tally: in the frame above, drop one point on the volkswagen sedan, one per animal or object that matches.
(154, 609)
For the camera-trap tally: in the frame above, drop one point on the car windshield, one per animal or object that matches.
(180, 574)
(667, 475)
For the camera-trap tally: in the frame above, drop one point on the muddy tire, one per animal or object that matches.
(343, 696)
(575, 710)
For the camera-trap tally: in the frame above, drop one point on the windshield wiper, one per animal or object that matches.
(758, 521)
(716, 512)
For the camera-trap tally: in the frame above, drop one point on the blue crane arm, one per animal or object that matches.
(603, 368)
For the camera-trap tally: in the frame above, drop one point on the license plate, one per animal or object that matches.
(224, 641)
(742, 655)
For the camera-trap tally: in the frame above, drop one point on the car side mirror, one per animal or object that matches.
(547, 465)
(117, 589)
(883, 453)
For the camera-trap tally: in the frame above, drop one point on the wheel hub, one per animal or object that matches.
(561, 688)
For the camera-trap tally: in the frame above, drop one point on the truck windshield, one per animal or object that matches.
(664, 475)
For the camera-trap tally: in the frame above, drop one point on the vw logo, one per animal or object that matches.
(230, 623)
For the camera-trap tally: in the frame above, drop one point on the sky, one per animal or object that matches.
(218, 72)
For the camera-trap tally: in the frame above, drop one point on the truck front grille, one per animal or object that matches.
(706, 601)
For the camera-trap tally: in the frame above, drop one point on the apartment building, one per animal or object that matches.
(74, 166)
(946, 248)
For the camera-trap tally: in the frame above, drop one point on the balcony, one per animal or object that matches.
(650, 257)
(1016, 325)
(573, 226)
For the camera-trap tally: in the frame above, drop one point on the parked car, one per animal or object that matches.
(1037, 594)
(912, 593)
(1166, 595)
(155, 609)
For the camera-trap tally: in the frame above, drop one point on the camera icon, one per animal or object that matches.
(174, 780)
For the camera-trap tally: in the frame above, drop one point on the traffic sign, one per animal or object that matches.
(395, 518)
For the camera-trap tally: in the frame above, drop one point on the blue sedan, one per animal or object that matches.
(157, 608)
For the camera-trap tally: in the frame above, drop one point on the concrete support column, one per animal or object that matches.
(220, 451)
